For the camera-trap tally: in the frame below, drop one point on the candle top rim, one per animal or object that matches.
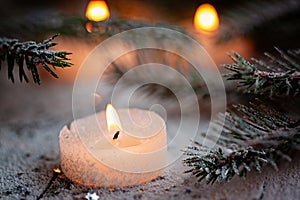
(96, 123)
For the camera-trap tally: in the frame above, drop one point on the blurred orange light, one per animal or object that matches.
(97, 10)
(206, 18)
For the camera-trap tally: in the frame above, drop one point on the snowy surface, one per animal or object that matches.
(30, 120)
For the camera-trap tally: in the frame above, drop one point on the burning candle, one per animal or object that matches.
(97, 10)
(206, 18)
(115, 148)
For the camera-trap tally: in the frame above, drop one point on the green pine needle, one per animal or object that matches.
(273, 76)
(34, 55)
(251, 137)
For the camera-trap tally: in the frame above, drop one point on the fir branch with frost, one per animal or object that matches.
(250, 138)
(34, 55)
(272, 75)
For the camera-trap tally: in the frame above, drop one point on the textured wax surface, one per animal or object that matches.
(90, 166)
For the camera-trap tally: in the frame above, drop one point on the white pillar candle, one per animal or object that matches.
(91, 156)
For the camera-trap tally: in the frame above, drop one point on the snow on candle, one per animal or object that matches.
(115, 148)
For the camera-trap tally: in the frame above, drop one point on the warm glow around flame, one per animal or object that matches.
(97, 10)
(206, 18)
(112, 119)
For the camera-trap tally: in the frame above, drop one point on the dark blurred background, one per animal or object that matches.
(248, 27)
(269, 23)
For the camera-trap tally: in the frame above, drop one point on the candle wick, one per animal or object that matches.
(116, 135)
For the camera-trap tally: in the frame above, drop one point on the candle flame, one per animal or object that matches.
(57, 170)
(97, 10)
(112, 119)
(206, 18)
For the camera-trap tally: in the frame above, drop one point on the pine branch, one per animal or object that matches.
(34, 55)
(273, 76)
(250, 137)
